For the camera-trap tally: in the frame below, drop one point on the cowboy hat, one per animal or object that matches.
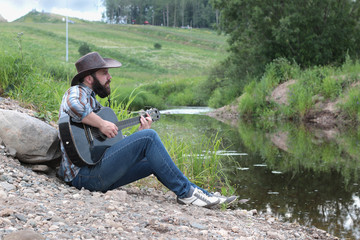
(90, 63)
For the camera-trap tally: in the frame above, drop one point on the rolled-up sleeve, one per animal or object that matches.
(76, 103)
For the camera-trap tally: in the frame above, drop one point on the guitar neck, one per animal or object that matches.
(128, 122)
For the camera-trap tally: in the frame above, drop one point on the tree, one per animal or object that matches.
(311, 32)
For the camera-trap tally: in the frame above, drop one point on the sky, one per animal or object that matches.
(84, 9)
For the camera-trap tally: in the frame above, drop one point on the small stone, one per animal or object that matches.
(253, 212)
(32, 223)
(20, 217)
(122, 195)
(28, 191)
(3, 194)
(241, 212)
(11, 151)
(275, 235)
(6, 212)
(7, 186)
(76, 196)
(41, 168)
(24, 235)
(223, 233)
(53, 228)
(198, 226)
(271, 220)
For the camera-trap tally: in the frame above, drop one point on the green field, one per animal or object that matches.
(33, 71)
(168, 75)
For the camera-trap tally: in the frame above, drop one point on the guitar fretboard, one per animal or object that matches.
(128, 122)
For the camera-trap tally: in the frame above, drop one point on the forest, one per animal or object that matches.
(169, 13)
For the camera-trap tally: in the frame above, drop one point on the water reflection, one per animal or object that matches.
(296, 173)
(309, 175)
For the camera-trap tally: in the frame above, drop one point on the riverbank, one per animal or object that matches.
(324, 114)
(44, 205)
(41, 205)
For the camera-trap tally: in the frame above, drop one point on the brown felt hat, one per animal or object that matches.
(90, 63)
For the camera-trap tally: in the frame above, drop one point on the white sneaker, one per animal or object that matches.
(199, 198)
(223, 199)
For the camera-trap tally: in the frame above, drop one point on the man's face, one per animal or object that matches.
(101, 83)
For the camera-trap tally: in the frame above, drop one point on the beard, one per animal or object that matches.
(99, 89)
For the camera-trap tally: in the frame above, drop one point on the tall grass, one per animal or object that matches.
(311, 85)
(38, 88)
(200, 163)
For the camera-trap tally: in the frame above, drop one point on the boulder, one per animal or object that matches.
(280, 94)
(33, 140)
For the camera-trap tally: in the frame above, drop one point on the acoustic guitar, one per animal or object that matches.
(86, 145)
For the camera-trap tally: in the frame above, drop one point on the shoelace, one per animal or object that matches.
(199, 194)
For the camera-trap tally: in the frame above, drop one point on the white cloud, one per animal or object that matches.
(87, 15)
(84, 9)
(12, 10)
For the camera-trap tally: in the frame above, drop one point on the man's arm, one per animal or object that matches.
(106, 127)
(110, 129)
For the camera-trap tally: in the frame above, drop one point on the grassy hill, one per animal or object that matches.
(168, 75)
(44, 17)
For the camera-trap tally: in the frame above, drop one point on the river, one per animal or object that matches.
(293, 172)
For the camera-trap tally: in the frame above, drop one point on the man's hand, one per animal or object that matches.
(145, 123)
(109, 129)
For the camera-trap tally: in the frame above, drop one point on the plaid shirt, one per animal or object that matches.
(78, 102)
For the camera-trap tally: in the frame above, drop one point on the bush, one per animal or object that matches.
(84, 49)
(157, 46)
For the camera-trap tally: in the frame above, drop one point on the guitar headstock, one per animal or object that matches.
(153, 112)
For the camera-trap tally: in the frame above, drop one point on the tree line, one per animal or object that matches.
(170, 13)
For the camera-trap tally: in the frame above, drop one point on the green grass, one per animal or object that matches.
(184, 58)
(33, 70)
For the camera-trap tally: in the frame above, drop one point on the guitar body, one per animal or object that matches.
(86, 145)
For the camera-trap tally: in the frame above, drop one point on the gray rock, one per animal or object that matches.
(40, 168)
(3, 194)
(11, 151)
(24, 235)
(20, 217)
(7, 186)
(34, 140)
(198, 226)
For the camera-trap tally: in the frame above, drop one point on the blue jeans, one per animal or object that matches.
(136, 156)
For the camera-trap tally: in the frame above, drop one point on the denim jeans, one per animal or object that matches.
(134, 157)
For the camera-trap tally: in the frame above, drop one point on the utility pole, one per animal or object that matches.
(67, 36)
(67, 40)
